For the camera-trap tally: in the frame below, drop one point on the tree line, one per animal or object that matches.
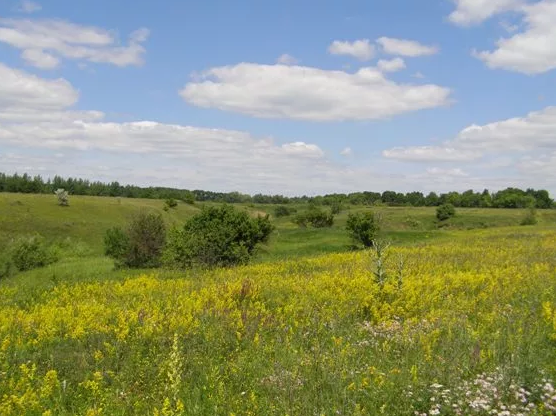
(507, 198)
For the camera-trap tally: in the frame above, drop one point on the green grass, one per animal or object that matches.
(301, 331)
(309, 336)
(87, 218)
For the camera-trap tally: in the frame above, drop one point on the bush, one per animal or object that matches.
(445, 211)
(31, 252)
(336, 207)
(363, 227)
(315, 217)
(189, 198)
(116, 243)
(530, 218)
(217, 236)
(140, 245)
(171, 203)
(283, 211)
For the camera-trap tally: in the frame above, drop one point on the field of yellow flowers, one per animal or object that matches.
(462, 327)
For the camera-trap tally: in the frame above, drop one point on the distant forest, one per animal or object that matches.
(507, 198)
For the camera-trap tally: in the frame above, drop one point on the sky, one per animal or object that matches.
(289, 97)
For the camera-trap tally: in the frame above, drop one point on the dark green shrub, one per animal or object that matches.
(217, 236)
(116, 243)
(319, 218)
(28, 253)
(140, 245)
(189, 198)
(283, 211)
(445, 211)
(363, 227)
(314, 217)
(171, 203)
(335, 207)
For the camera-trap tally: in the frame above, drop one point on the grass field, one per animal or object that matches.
(461, 322)
(87, 219)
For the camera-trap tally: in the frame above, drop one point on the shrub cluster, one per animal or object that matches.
(28, 253)
(218, 236)
(314, 217)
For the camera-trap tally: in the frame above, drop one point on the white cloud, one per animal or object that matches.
(305, 93)
(391, 65)
(44, 41)
(532, 137)
(41, 133)
(286, 59)
(543, 166)
(303, 149)
(22, 91)
(346, 151)
(40, 59)
(27, 6)
(430, 154)
(404, 47)
(360, 49)
(418, 75)
(532, 51)
(535, 131)
(469, 12)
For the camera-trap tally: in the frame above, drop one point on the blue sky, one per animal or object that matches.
(282, 97)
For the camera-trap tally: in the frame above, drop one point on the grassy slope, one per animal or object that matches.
(87, 219)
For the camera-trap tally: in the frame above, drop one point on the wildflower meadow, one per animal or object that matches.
(465, 326)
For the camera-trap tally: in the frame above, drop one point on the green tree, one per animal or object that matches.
(445, 211)
(363, 227)
(217, 236)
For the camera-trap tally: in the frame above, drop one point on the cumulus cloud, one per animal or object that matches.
(535, 131)
(25, 92)
(532, 51)
(286, 59)
(360, 49)
(405, 47)
(470, 12)
(391, 65)
(305, 93)
(44, 41)
(526, 143)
